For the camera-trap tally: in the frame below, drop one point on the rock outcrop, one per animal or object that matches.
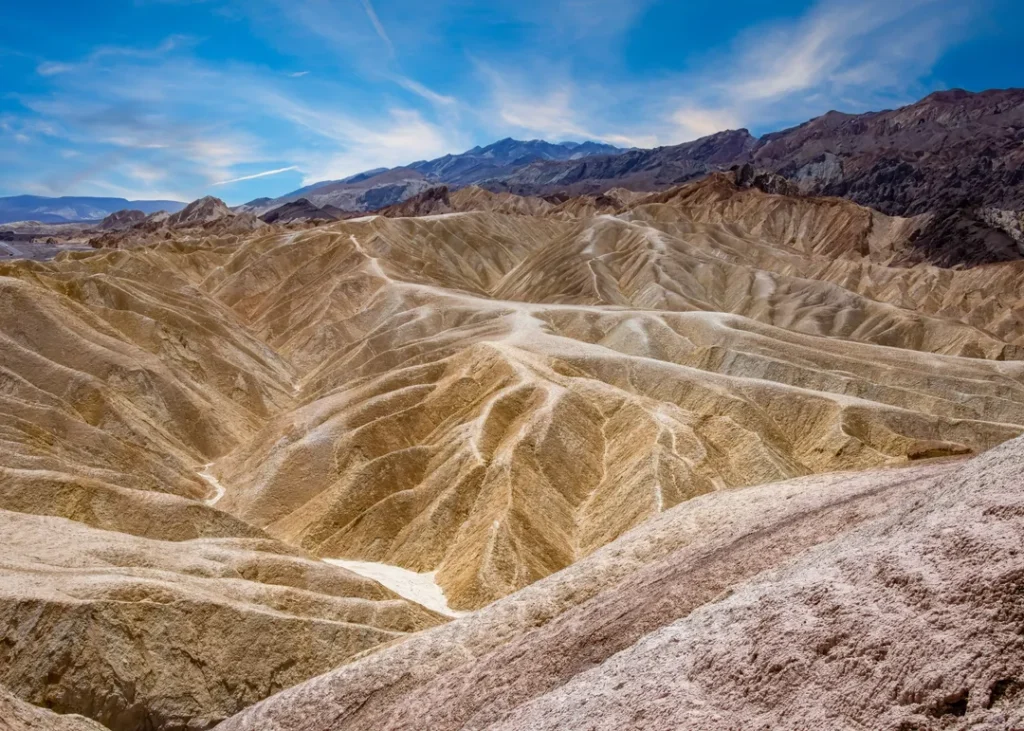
(17, 715)
(302, 211)
(888, 599)
(121, 220)
(207, 218)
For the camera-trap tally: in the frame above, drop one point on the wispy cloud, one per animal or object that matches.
(52, 68)
(838, 55)
(378, 27)
(156, 113)
(264, 174)
(355, 145)
(556, 111)
(429, 94)
(855, 56)
(163, 118)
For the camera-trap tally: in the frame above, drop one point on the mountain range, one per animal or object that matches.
(956, 156)
(382, 187)
(74, 209)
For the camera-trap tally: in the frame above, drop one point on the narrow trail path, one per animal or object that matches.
(212, 482)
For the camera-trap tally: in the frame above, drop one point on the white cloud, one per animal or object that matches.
(52, 68)
(429, 94)
(133, 192)
(148, 174)
(859, 55)
(692, 122)
(377, 26)
(856, 56)
(264, 174)
(555, 112)
(133, 114)
(398, 139)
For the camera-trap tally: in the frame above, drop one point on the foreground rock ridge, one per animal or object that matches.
(544, 407)
(886, 599)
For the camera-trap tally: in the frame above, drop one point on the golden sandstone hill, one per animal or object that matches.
(504, 392)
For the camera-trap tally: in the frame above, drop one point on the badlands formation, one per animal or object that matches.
(703, 458)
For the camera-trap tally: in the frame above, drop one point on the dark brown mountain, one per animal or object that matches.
(303, 210)
(655, 169)
(956, 155)
(950, 149)
(121, 220)
(429, 202)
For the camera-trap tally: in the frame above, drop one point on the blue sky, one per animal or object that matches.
(245, 98)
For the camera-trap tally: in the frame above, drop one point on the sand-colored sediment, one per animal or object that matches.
(883, 599)
(485, 400)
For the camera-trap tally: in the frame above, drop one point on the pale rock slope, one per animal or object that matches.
(17, 715)
(175, 634)
(879, 600)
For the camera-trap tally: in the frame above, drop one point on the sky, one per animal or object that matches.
(175, 99)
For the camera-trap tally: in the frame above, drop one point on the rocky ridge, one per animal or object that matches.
(880, 600)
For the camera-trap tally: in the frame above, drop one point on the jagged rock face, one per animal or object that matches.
(121, 220)
(954, 155)
(430, 202)
(950, 148)
(746, 176)
(492, 394)
(301, 210)
(204, 210)
(885, 599)
(205, 219)
(17, 715)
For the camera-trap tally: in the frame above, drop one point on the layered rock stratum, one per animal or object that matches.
(546, 407)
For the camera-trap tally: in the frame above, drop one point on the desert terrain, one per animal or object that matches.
(727, 454)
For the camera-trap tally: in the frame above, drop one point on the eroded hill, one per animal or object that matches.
(490, 394)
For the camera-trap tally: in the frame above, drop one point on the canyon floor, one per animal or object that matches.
(706, 458)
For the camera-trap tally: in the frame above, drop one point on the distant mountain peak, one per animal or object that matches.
(382, 187)
(74, 209)
(204, 210)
